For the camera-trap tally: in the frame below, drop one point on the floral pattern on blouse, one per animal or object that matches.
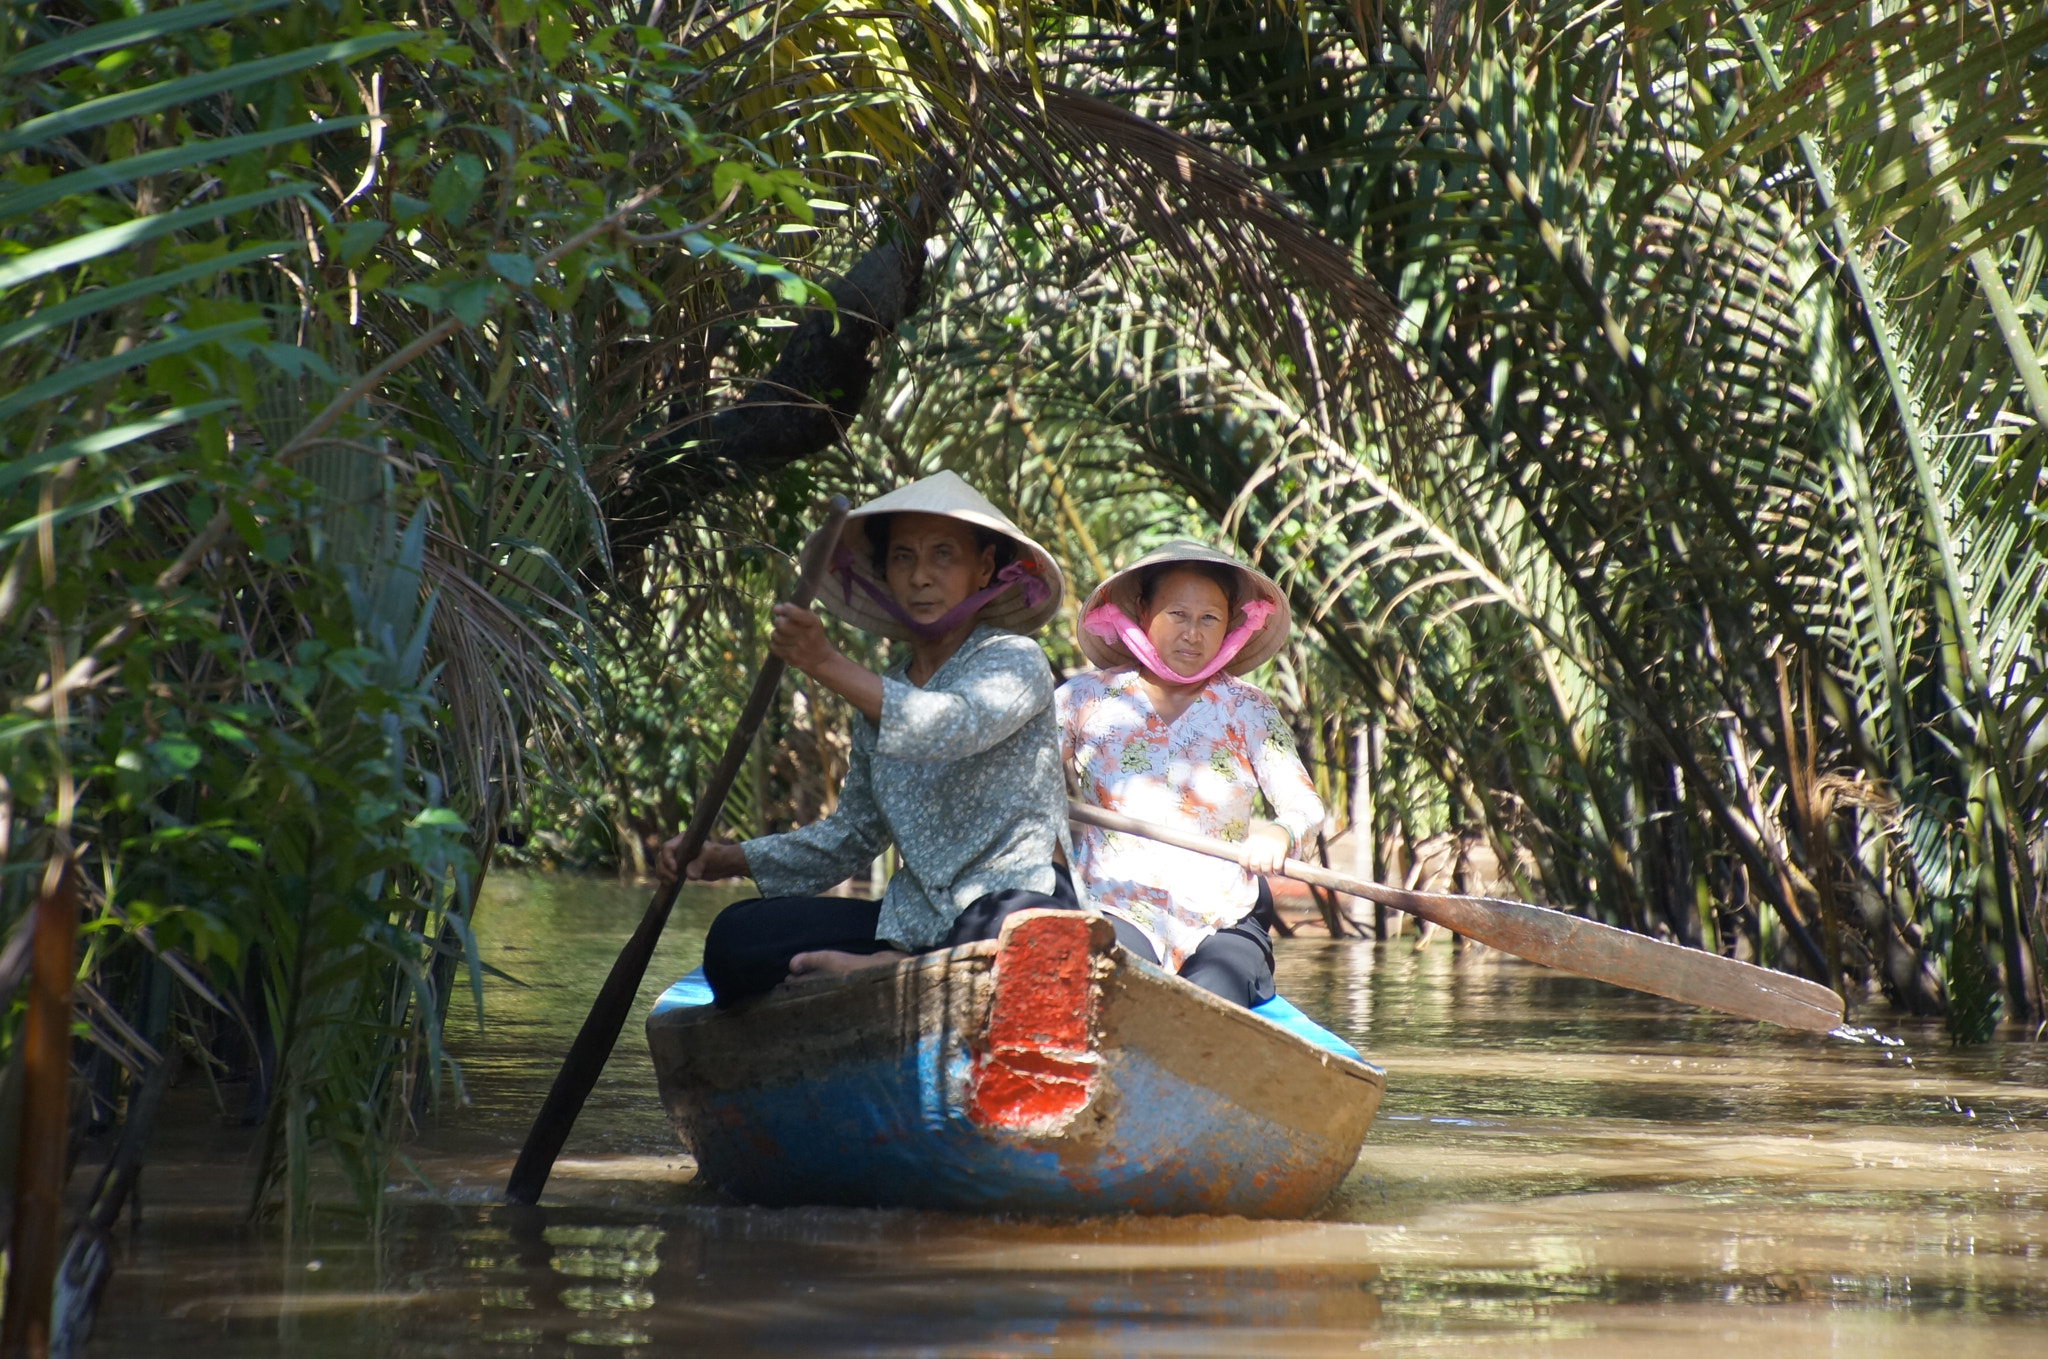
(1200, 774)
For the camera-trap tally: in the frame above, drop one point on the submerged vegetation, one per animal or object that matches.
(410, 408)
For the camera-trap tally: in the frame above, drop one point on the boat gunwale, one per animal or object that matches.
(808, 988)
(983, 952)
(1362, 1069)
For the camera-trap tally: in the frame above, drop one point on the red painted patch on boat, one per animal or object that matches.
(1038, 1067)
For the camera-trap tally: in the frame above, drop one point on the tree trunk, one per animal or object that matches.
(45, 1120)
(800, 407)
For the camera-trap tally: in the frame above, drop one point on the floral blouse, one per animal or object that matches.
(1199, 774)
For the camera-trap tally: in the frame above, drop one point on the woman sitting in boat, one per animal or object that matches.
(955, 761)
(1166, 732)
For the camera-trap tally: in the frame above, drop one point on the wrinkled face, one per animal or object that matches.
(934, 564)
(1186, 620)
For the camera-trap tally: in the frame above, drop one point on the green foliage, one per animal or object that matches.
(1690, 544)
(276, 280)
(293, 831)
(671, 672)
(1719, 605)
(1972, 984)
(1728, 585)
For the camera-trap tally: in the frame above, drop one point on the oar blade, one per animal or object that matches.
(1574, 944)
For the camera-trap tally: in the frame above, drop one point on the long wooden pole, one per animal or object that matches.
(45, 1120)
(1554, 939)
(600, 1032)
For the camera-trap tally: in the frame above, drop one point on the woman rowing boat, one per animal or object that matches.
(1165, 731)
(955, 760)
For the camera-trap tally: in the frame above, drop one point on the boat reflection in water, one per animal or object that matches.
(742, 1281)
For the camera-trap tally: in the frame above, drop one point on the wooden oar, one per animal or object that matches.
(600, 1032)
(1565, 942)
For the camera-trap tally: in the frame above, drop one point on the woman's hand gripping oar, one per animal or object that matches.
(1554, 939)
(593, 1045)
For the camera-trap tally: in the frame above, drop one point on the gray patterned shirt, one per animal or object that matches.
(963, 776)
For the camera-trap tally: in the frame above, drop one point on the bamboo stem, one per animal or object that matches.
(45, 1120)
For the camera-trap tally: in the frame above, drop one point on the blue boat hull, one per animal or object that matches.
(1047, 1073)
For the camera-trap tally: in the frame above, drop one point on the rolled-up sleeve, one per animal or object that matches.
(1007, 683)
(1282, 778)
(808, 860)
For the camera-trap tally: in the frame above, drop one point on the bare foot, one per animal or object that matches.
(833, 963)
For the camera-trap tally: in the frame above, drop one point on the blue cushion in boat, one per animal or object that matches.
(691, 990)
(694, 990)
(1279, 1010)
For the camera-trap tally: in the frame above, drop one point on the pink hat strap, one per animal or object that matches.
(1017, 573)
(1108, 621)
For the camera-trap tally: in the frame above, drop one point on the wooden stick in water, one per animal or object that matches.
(600, 1032)
(1568, 943)
(38, 1240)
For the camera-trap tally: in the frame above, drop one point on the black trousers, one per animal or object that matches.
(750, 943)
(1235, 963)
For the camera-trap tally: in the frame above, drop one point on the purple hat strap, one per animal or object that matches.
(1017, 573)
(1108, 621)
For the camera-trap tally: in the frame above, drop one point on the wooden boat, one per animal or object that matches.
(1046, 1072)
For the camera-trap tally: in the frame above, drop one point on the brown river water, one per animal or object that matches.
(1559, 1168)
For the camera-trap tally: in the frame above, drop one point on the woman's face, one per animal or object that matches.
(934, 564)
(1186, 620)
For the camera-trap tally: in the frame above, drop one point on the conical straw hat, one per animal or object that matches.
(1122, 590)
(942, 493)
